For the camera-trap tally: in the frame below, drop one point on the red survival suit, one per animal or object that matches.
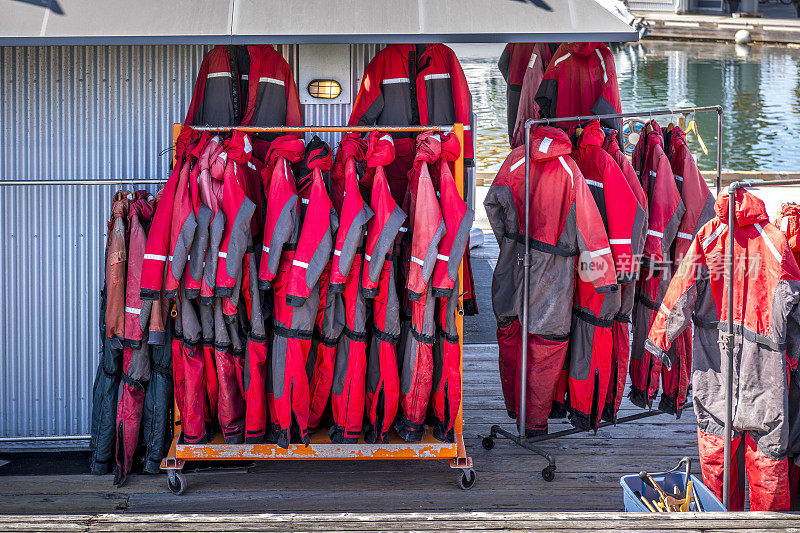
(352, 213)
(699, 204)
(766, 335)
(665, 213)
(564, 221)
(458, 218)
(620, 331)
(427, 227)
(136, 350)
(245, 85)
(287, 390)
(439, 95)
(581, 79)
(523, 66)
(307, 290)
(593, 313)
(378, 283)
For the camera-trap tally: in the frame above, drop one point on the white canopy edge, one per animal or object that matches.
(115, 22)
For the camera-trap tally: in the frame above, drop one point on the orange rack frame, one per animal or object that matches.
(320, 447)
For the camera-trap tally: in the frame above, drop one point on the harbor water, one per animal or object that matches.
(758, 87)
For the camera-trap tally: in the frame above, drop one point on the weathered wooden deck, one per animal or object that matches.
(463, 521)
(509, 477)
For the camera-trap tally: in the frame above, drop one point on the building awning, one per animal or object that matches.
(49, 22)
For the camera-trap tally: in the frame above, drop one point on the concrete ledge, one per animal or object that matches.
(729, 177)
(720, 28)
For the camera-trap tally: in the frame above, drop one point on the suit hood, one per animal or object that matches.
(749, 208)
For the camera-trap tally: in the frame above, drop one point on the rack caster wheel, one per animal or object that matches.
(176, 482)
(466, 479)
(488, 443)
(549, 473)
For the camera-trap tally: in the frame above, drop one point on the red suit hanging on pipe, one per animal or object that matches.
(344, 269)
(422, 84)
(458, 217)
(699, 204)
(564, 221)
(766, 291)
(427, 227)
(281, 234)
(620, 331)
(310, 271)
(581, 79)
(136, 351)
(378, 282)
(664, 216)
(591, 338)
(184, 223)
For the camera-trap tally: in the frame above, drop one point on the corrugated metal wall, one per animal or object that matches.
(79, 112)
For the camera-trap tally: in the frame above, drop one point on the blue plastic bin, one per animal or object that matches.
(667, 482)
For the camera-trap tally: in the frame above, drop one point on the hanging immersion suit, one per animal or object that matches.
(378, 282)
(136, 352)
(458, 218)
(620, 331)
(289, 343)
(699, 204)
(512, 64)
(340, 360)
(107, 378)
(564, 221)
(591, 338)
(157, 421)
(116, 267)
(766, 343)
(427, 228)
(581, 79)
(789, 223)
(347, 202)
(238, 210)
(309, 273)
(665, 212)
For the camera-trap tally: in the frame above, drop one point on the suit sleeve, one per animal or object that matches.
(547, 94)
(675, 312)
(697, 200)
(369, 102)
(666, 212)
(462, 104)
(294, 111)
(504, 63)
(592, 238)
(622, 225)
(198, 93)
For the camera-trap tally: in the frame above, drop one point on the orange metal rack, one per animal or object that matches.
(320, 447)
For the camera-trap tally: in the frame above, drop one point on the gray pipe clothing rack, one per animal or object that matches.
(548, 473)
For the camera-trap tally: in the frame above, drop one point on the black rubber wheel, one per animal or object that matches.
(176, 482)
(488, 443)
(466, 480)
(549, 473)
